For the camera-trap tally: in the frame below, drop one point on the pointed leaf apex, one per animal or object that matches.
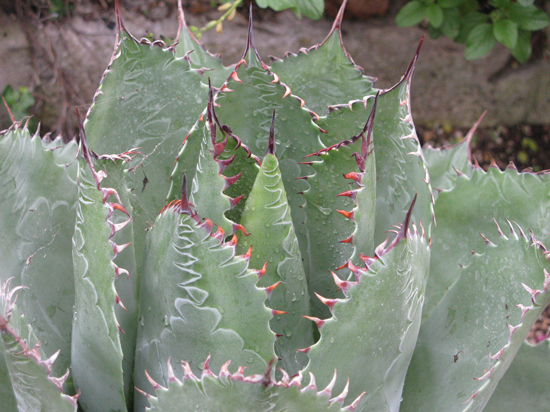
(337, 25)
(402, 234)
(250, 46)
(366, 137)
(184, 207)
(470, 135)
(271, 146)
(12, 117)
(412, 65)
(119, 23)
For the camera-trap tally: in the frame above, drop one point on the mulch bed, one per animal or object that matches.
(527, 146)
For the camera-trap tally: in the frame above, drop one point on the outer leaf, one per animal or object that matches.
(148, 99)
(29, 371)
(235, 392)
(469, 341)
(446, 164)
(525, 385)
(378, 322)
(37, 209)
(193, 300)
(198, 56)
(126, 280)
(273, 241)
(96, 343)
(470, 207)
(324, 74)
(350, 237)
(400, 169)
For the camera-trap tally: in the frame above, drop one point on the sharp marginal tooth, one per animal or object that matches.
(340, 398)
(328, 389)
(206, 369)
(153, 383)
(171, 375)
(187, 372)
(312, 384)
(318, 322)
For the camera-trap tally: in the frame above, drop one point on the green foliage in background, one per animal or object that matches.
(479, 25)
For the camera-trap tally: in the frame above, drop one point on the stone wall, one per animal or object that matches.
(63, 63)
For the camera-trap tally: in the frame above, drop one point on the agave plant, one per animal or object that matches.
(208, 217)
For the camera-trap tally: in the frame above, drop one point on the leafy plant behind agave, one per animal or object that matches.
(262, 243)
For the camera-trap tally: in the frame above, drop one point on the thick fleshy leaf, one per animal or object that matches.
(194, 297)
(471, 338)
(239, 393)
(149, 99)
(470, 208)
(446, 163)
(37, 210)
(246, 105)
(198, 56)
(524, 387)
(96, 344)
(329, 209)
(273, 240)
(208, 183)
(126, 280)
(28, 369)
(400, 168)
(324, 74)
(378, 323)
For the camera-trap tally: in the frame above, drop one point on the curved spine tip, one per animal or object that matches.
(271, 146)
(184, 206)
(12, 117)
(402, 234)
